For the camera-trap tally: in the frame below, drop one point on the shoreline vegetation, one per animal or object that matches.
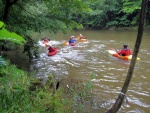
(133, 28)
(21, 92)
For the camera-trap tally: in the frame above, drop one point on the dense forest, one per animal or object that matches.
(62, 15)
(26, 17)
(19, 19)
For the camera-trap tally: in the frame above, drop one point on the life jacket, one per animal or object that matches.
(124, 52)
(51, 49)
(71, 41)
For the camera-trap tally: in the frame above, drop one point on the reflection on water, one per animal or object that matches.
(90, 57)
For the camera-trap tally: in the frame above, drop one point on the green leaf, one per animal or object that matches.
(1, 24)
(112, 23)
(2, 62)
(11, 36)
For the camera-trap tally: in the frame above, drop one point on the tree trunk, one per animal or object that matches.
(8, 6)
(121, 96)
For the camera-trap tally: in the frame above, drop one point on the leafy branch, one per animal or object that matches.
(9, 36)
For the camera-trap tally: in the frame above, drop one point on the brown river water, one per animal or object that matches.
(90, 57)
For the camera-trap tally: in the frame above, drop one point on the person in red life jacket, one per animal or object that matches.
(51, 49)
(125, 51)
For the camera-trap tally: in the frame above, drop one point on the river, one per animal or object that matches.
(84, 59)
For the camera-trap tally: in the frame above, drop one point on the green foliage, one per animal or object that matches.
(132, 10)
(123, 21)
(112, 23)
(135, 19)
(14, 90)
(1, 24)
(89, 85)
(103, 13)
(10, 36)
(107, 13)
(64, 15)
(16, 96)
(130, 7)
(38, 16)
(2, 62)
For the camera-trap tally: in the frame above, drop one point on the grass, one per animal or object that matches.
(16, 96)
(22, 93)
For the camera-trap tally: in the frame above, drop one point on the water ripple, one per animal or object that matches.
(83, 59)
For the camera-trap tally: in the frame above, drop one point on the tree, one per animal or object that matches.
(121, 96)
(105, 13)
(131, 8)
(38, 16)
(8, 5)
(24, 18)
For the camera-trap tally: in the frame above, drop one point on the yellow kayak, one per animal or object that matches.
(81, 40)
(114, 53)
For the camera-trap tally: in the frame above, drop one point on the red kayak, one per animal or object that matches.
(53, 53)
(72, 44)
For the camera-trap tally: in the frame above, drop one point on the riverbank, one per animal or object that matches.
(131, 28)
(20, 92)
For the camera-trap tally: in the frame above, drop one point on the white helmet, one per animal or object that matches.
(72, 36)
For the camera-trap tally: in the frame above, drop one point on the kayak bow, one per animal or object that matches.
(53, 53)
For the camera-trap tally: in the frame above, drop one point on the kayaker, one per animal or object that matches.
(45, 40)
(72, 40)
(81, 36)
(125, 51)
(51, 49)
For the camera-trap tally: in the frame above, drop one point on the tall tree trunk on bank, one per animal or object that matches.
(8, 5)
(121, 96)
